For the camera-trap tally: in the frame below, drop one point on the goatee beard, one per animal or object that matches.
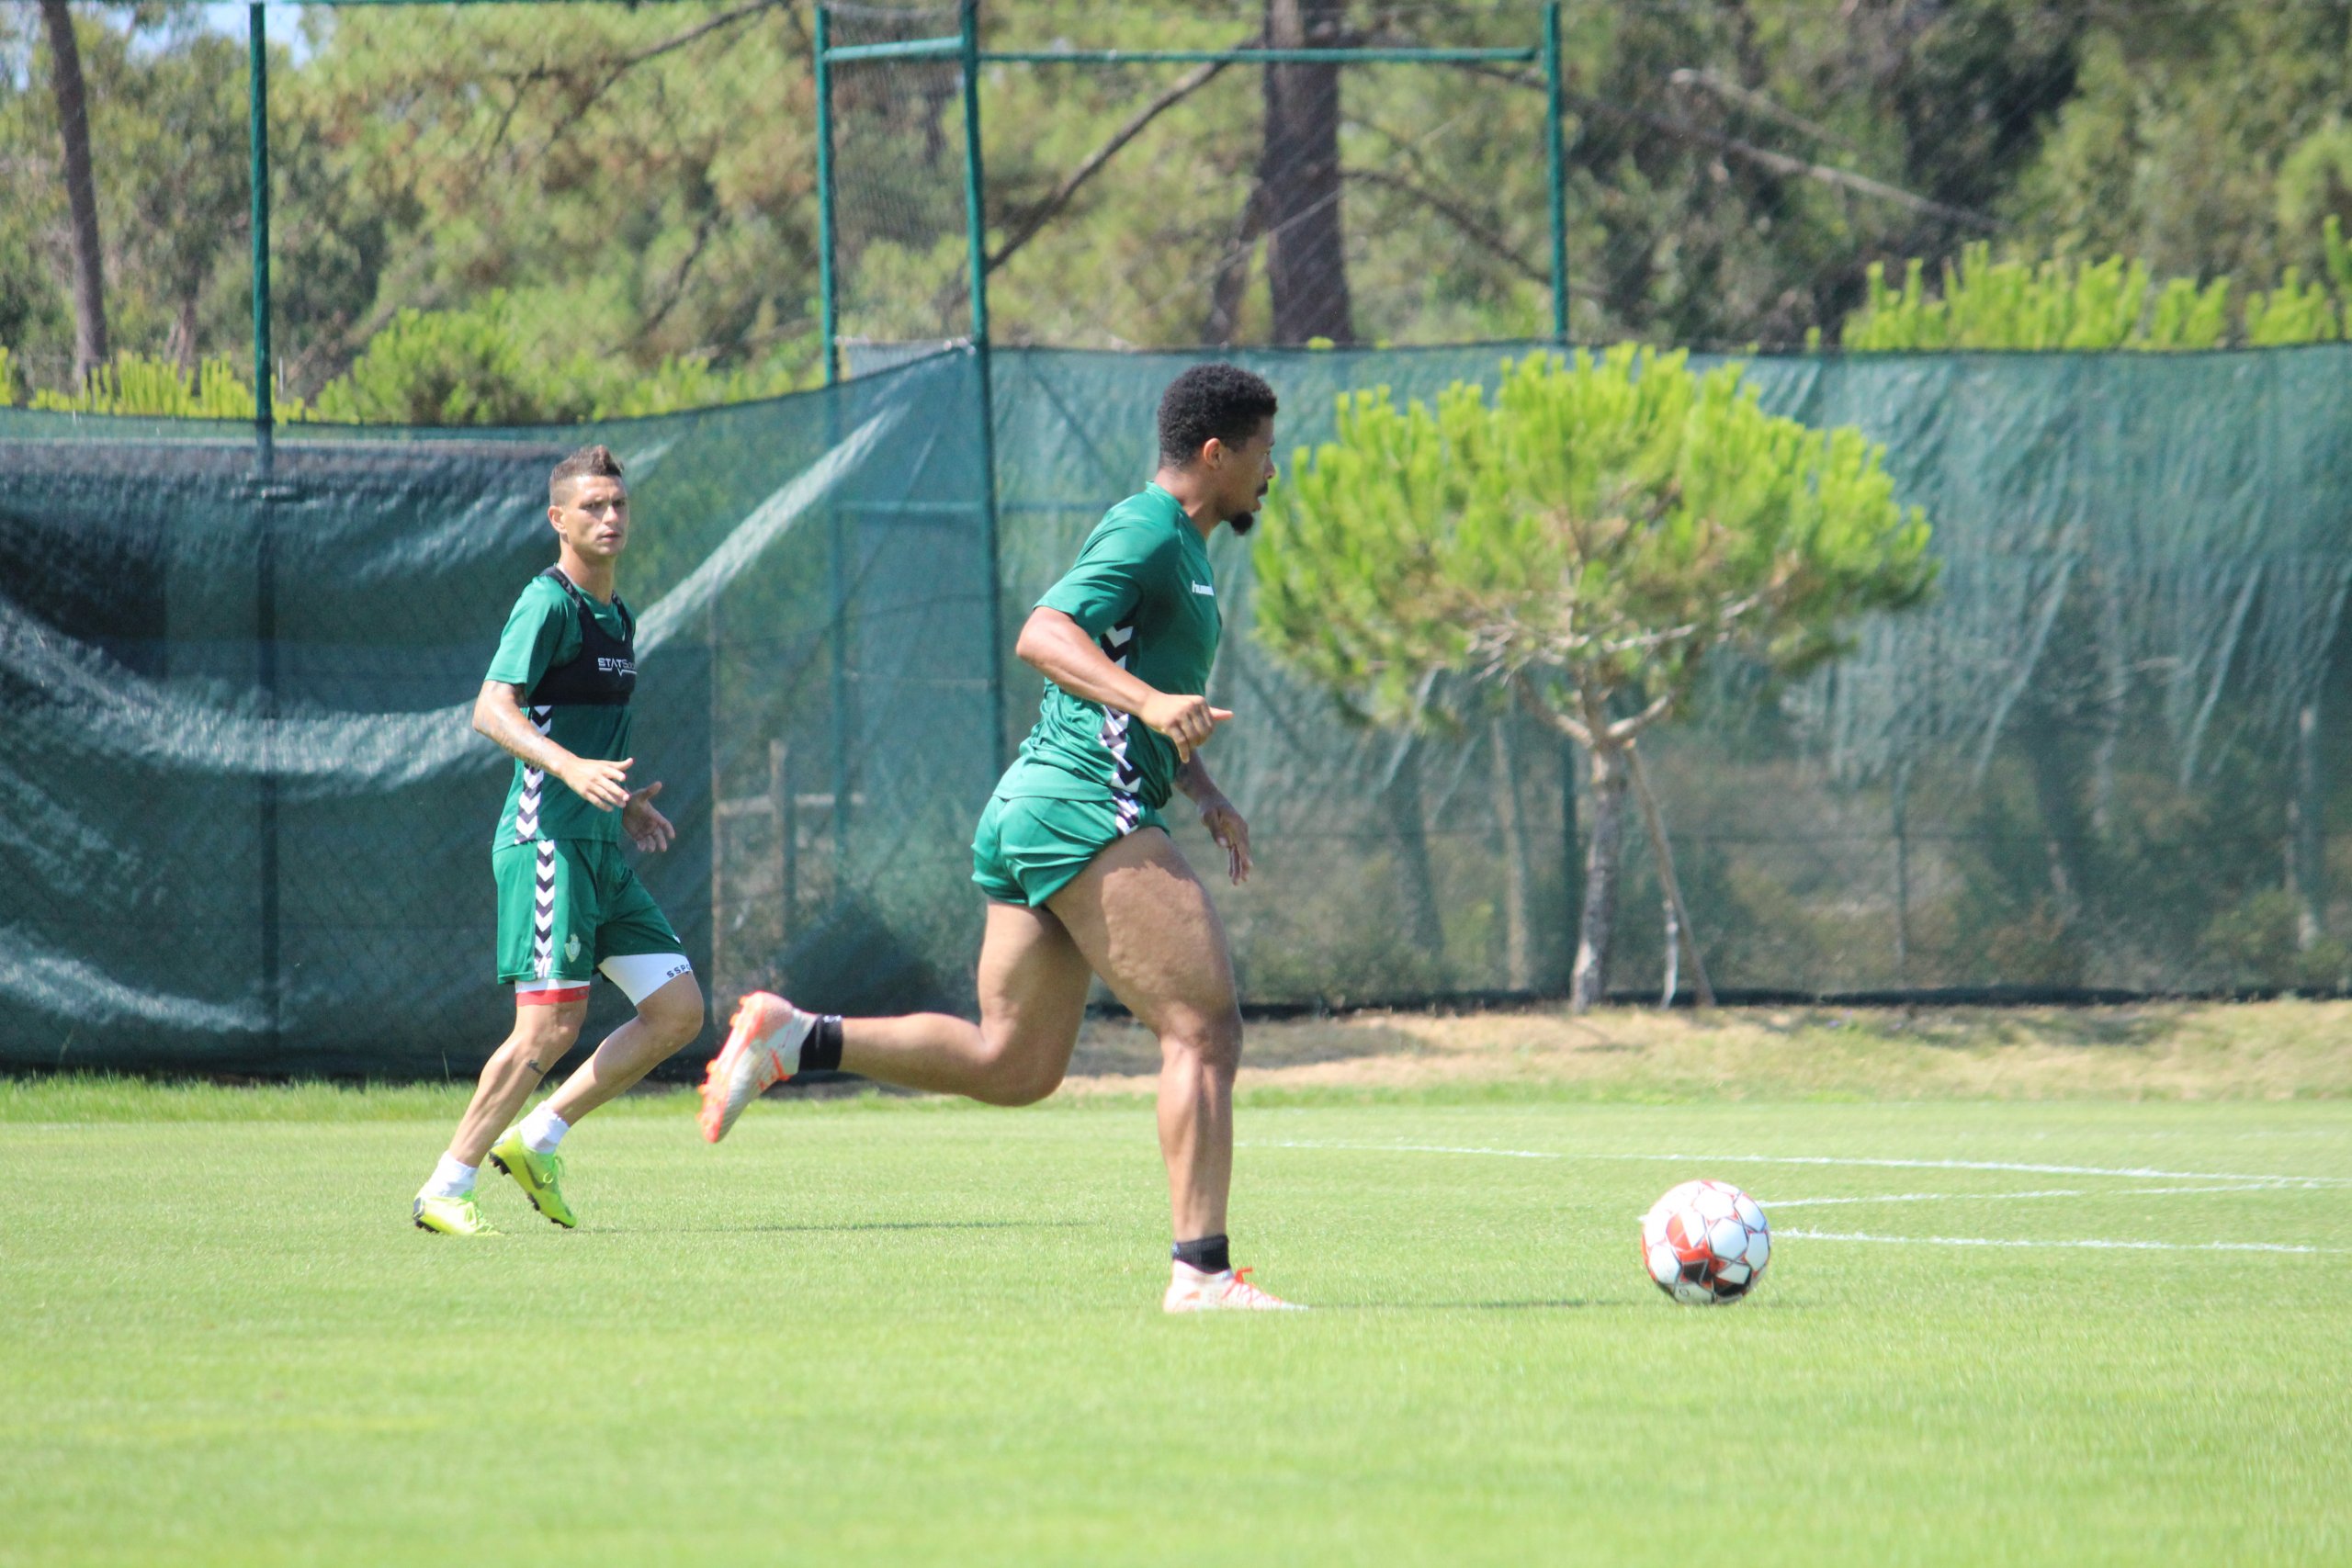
(1244, 522)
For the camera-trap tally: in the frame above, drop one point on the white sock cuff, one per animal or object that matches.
(543, 1130)
(451, 1180)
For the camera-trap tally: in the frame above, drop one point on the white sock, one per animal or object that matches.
(542, 1130)
(451, 1180)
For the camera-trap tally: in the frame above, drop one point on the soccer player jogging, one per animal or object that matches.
(557, 698)
(1073, 854)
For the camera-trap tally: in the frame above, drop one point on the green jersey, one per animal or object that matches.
(1143, 590)
(574, 694)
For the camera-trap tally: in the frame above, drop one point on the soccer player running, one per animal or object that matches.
(1073, 854)
(557, 699)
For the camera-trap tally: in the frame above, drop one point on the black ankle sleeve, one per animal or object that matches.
(823, 1052)
(1210, 1254)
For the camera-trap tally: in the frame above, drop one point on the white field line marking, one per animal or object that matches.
(2137, 1173)
(2100, 1243)
(2052, 1192)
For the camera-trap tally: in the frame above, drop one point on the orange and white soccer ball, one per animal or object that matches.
(1705, 1243)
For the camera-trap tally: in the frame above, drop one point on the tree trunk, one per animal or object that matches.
(1400, 805)
(2057, 798)
(2115, 692)
(2306, 839)
(1518, 968)
(81, 190)
(1662, 851)
(1232, 278)
(1307, 264)
(1604, 857)
(182, 343)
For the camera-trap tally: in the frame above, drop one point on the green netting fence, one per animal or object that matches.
(244, 824)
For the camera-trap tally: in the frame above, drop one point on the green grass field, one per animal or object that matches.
(908, 1332)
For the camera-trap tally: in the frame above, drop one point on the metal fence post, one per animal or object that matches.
(1557, 156)
(258, 92)
(976, 233)
(826, 285)
(265, 548)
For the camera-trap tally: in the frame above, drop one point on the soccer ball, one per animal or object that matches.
(1706, 1243)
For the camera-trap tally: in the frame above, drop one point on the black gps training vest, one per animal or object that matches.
(605, 672)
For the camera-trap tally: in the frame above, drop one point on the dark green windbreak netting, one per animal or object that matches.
(245, 824)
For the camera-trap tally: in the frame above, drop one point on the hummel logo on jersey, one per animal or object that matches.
(1204, 588)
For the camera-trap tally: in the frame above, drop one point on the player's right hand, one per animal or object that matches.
(1186, 721)
(602, 784)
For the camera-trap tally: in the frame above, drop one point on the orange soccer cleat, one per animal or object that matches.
(763, 1048)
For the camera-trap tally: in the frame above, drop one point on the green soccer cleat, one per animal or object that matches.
(539, 1176)
(450, 1216)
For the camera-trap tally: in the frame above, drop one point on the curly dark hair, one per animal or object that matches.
(1211, 402)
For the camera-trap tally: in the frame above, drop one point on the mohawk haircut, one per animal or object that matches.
(1211, 402)
(588, 463)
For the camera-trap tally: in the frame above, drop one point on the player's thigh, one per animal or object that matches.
(1033, 985)
(1147, 925)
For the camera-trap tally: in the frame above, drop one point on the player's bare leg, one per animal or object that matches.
(543, 1034)
(1033, 983)
(667, 1017)
(665, 1023)
(1145, 925)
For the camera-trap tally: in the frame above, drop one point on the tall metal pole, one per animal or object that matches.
(1556, 154)
(257, 94)
(837, 541)
(830, 311)
(1555, 159)
(266, 548)
(976, 233)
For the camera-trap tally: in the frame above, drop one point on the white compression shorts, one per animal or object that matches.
(638, 974)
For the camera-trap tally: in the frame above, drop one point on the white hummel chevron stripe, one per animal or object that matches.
(543, 915)
(527, 805)
(1118, 646)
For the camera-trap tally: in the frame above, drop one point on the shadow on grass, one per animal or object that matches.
(1115, 1048)
(1577, 1306)
(851, 1225)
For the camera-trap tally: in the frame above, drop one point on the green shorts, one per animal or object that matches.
(1028, 848)
(566, 906)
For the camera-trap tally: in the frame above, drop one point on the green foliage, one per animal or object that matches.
(2255, 942)
(636, 180)
(2206, 141)
(137, 384)
(2112, 304)
(1986, 304)
(447, 368)
(689, 382)
(478, 366)
(2294, 312)
(1603, 523)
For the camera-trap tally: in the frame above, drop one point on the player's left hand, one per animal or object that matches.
(647, 828)
(1231, 833)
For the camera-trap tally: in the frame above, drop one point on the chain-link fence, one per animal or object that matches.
(247, 821)
(247, 817)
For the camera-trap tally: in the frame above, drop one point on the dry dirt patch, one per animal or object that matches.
(2169, 1051)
